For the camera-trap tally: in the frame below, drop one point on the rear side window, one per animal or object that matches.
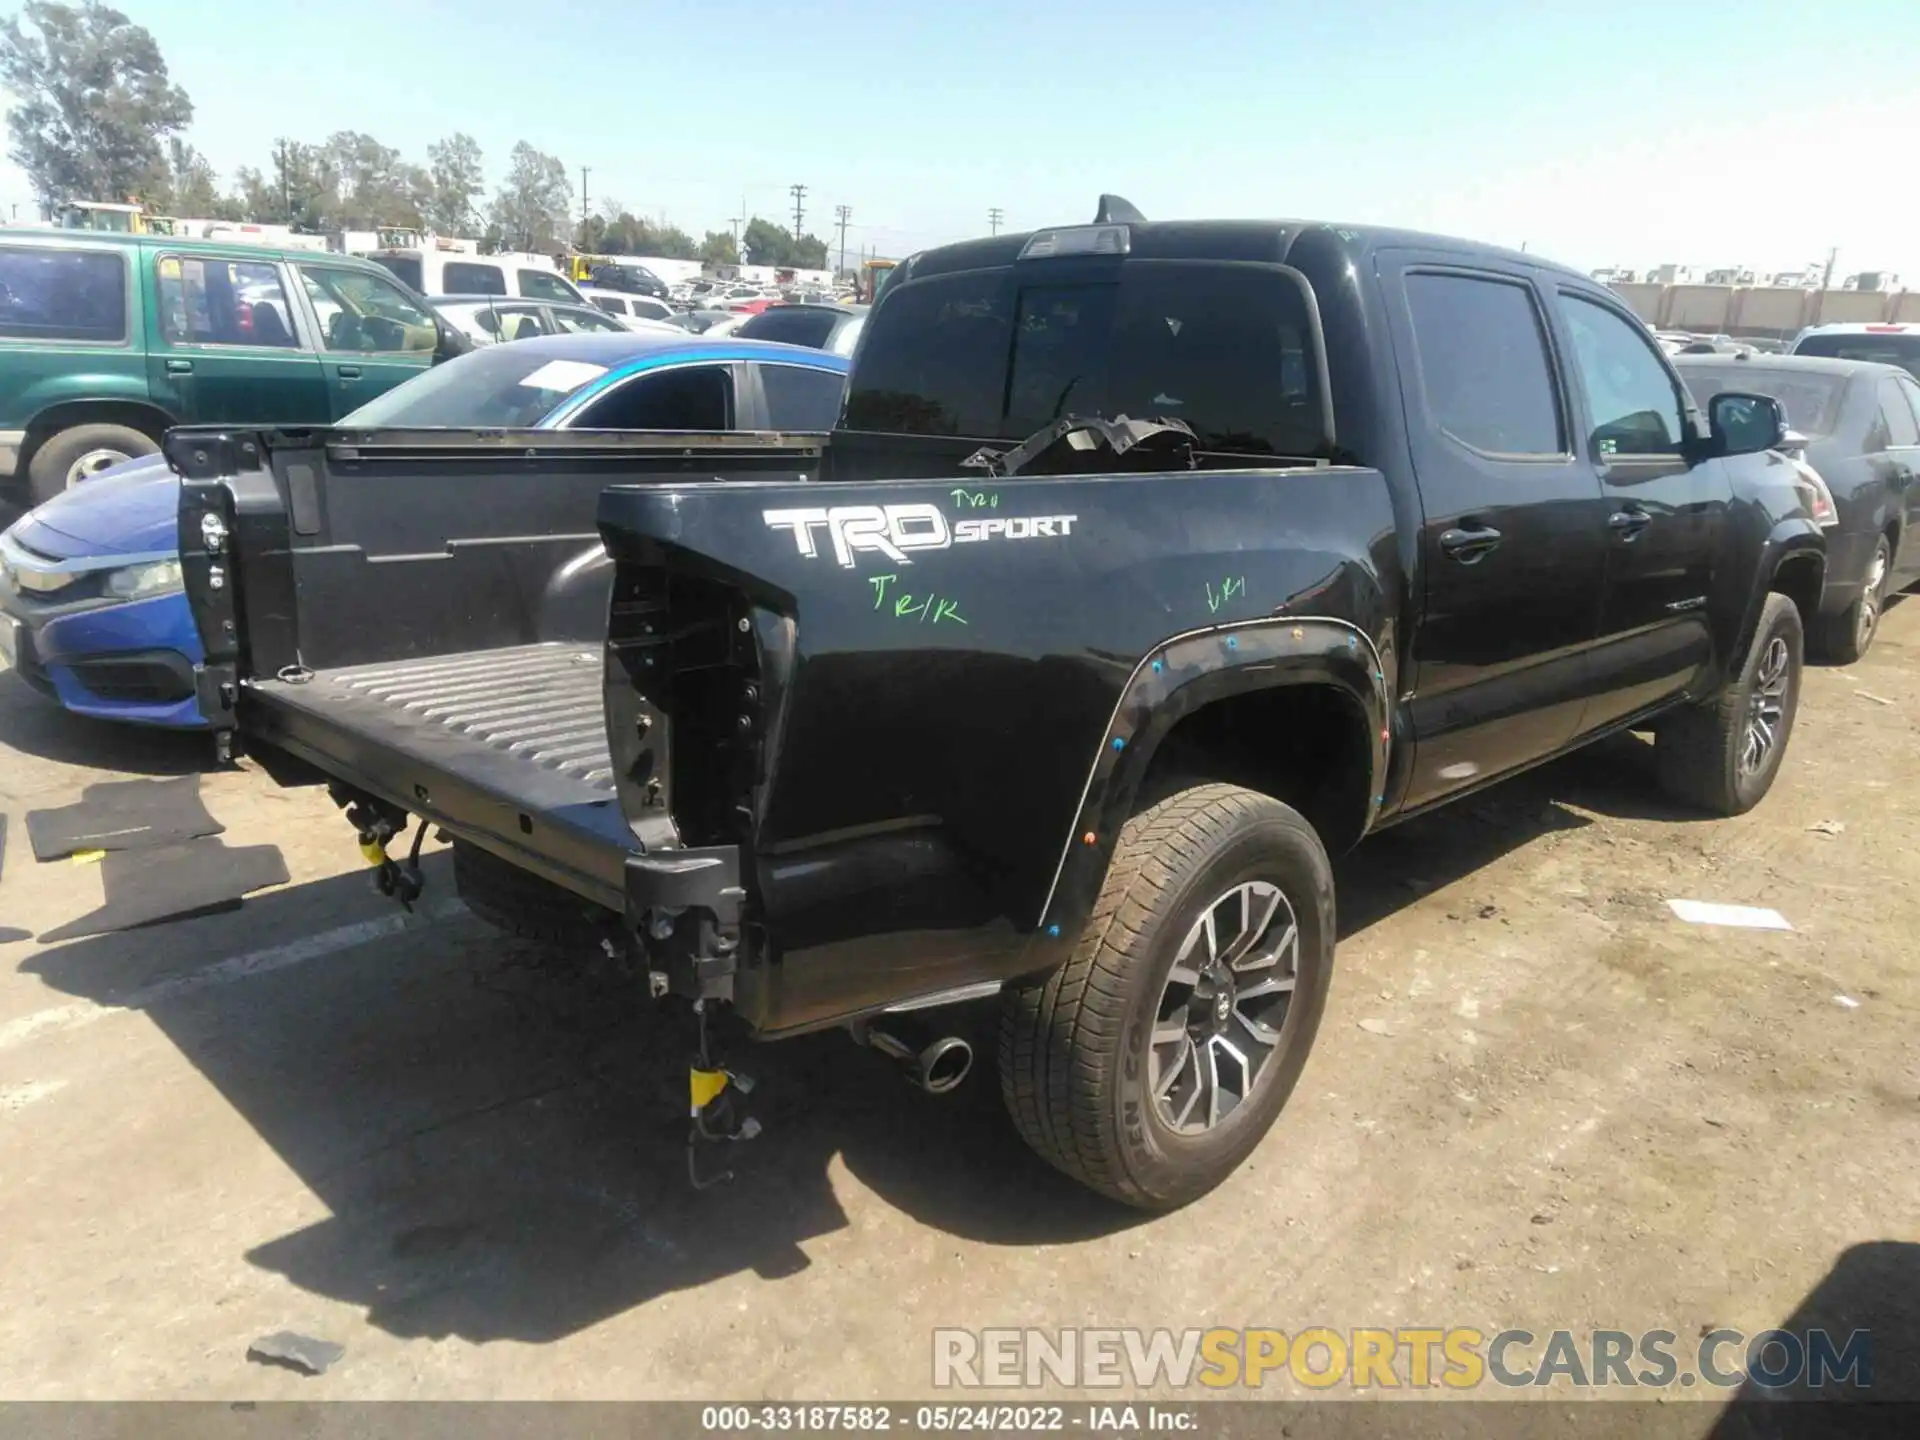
(1902, 349)
(1812, 402)
(462, 277)
(405, 268)
(223, 302)
(1224, 348)
(610, 305)
(698, 397)
(799, 398)
(1483, 364)
(48, 294)
(1897, 416)
(544, 285)
(791, 326)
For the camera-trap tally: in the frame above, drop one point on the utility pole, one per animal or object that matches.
(799, 193)
(583, 198)
(994, 217)
(1826, 278)
(843, 213)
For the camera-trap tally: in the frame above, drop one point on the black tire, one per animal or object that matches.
(1074, 1049)
(1842, 639)
(47, 472)
(1702, 751)
(526, 906)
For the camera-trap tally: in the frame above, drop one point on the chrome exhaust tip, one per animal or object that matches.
(938, 1067)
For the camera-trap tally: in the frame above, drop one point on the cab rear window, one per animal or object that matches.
(1882, 349)
(991, 354)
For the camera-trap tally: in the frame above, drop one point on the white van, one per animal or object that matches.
(448, 272)
(618, 302)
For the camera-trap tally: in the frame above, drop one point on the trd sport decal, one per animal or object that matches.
(893, 530)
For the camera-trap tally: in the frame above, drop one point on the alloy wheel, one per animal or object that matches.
(1768, 707)
(1220, 1015)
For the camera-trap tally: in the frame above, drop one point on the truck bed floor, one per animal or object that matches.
(489, 743)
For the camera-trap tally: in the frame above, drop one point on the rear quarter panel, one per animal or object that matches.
(992, 700)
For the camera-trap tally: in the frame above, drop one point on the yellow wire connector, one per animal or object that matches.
(704, 1087)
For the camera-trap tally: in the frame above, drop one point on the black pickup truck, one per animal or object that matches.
(992, 690)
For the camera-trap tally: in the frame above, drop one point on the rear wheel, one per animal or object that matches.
(1844, 638)
(524, 905)
(1152, 1063)
(1723, 756)
(69, 456)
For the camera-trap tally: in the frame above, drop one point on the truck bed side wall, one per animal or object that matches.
(958, 685)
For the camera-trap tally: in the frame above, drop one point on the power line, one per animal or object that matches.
(799, 193)
(994, 217)
(843, 213)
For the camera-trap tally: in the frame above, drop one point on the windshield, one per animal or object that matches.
(1902, 350)
(1812, 402)
(501, 387)
(406, 269)
(1225, 348)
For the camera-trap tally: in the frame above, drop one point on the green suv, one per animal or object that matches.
(106, 340)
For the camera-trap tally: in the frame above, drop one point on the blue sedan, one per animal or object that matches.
(91, 610)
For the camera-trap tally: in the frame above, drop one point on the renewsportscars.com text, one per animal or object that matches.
(1459, 1358)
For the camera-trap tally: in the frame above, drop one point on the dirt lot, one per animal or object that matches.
(1539, 1100)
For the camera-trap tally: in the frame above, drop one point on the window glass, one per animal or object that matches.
(1882, 349)
(575, 319)
(698, 397)
(792, 325)
(1812, 402)
(405, 267)
(1635, 410)
(500, 386)
(799, 398)
(1912, 392)
(651, 309)
(1897, 416)
(1223, 348)
(521, 322)
(609, 304)
(544, 285)
(223, 302)
(1483, 364)
(365, 314)
(50, 294)
(463, 277)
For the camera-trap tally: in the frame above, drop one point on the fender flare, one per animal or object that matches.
(1171, 681)
(1790, 539)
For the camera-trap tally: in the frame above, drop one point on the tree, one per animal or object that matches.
(454, 164)
(765, 243)
(809, 253)
(531, 210)
(93, 103)
(670, 242)
(372, 184)
(187, 185)
(301, 189)
(719, 249)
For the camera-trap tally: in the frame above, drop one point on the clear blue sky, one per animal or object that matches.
(1755, 133)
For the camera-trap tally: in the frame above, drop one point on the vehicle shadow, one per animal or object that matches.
(500, 1138)
(33, 725)
(1867, 1307)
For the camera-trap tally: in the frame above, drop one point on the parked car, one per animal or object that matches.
(823, 327)
(639, 307)
(702, 322)
(1881, 344)
(1859, 428)
(107, 340)
(90, 606)
(981, 698)
(626, 278)
(449, 272)
(485, 319)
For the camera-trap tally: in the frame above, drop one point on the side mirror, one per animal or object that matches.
(1743, 424)
(450, 342)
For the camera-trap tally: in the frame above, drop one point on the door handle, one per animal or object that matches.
(349, 372)
(179, 367)
(1628, 523)
(1470, 545)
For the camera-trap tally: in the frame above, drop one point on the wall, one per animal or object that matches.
(1761, 310)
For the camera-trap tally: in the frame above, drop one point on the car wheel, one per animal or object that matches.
(1723, 756)
(1844, 638)
(69, 456)
(1151, 1063)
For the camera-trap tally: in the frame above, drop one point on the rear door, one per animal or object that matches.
(792, 397)
(228, 344)
(1900, 419)
(373, 335)
(1666, 507)
(1513, 545)
(674, 397)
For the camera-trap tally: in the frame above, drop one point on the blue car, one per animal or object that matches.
(91, 610)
